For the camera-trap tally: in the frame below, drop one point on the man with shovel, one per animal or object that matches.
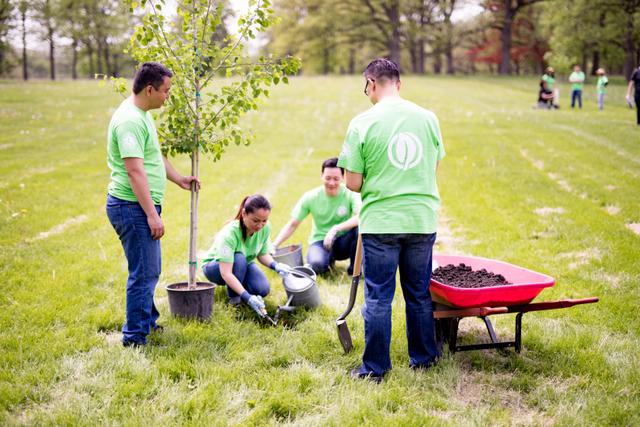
(390, 153)
(139, 173)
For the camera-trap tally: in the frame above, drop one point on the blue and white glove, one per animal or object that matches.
(281, 268)
(255, 302)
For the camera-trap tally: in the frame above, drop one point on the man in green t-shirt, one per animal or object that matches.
(577, 82)
(549, 77)
(138, 178)
(603, 81)
(390, 153)
(334, 210)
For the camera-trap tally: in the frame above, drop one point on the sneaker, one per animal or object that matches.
(235, 301)
(134, 344)
(357, 375)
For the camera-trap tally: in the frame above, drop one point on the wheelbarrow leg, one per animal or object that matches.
(453, 335)
(518, 343)
(489, 325)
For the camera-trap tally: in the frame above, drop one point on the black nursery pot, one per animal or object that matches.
(196, 303)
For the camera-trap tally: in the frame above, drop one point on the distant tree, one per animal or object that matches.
(46, 14)
(6, 10)
(23, 7)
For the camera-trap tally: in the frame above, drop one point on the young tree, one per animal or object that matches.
(6, 9)
(200, 117)
(22, 8)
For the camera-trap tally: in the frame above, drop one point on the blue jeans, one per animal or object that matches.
(383, 254)
(344, 247)
(252, 278)
(600, 101)
(576, 94)
(144, 261)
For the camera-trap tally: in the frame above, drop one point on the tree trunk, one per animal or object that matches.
(325, 61)
(394, 42)
(421, 56)
(74, 59)
(595, 62)
(352, 61)
(52, 61)
(629, 47)
(92, 69)
(99, 49)
(107, 58)
(25, 70)
(193, 226)
(413, 56)
(437, 63)
(584, 61)
(505, 38)
(448, 45)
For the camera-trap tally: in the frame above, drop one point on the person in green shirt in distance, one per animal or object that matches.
(230, 260)
(334, 210)
(391, 153)
(603, 81)
(577, 82)
(549, 77)
(138, 178)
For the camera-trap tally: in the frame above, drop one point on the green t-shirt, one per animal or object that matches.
(325, 210)
(395, 145)
(577, 78)
(132, 133)
(602, 83)
(550, 81)
(228, 241)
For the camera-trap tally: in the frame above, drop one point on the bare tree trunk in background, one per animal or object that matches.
(447, 10)
(74, 59)
(393, 12)
(595, 62)
(23, 17)
(99, 50)
(421, 57)
(116, 65)
(583, 62)
(437, 62)
(628, 45)
(52, 61)
(92, 69)
(107, 58)
(505, 38)
(352, 61)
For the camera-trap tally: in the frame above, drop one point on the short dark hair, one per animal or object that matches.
(382, 69)
(331, 163)
(150, 73)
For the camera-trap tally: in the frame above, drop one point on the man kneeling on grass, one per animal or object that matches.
(334, 210)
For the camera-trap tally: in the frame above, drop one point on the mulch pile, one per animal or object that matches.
(463, 276)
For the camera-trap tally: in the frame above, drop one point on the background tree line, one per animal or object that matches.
(84, 37)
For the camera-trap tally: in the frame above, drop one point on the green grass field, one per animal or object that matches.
(554, 191)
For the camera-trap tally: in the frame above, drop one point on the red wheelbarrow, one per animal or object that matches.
(452, 304)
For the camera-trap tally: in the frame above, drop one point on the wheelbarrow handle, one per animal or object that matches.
(357, 267)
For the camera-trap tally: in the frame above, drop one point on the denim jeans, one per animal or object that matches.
(252, 278)
(637, 101)
(144, 260)
(600, 101)
(576, 94)
(383, 254)
(344, 247)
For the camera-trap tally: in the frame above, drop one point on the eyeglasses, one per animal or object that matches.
(366, 86)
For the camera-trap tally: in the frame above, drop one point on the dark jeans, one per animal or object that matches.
(383, 254)
(344, 247)
(144, 261)
(637, 100)
(250, 275)
(576, 94)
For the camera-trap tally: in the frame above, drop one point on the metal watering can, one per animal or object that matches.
(302, 290)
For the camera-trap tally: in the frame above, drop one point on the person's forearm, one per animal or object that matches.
(630, 88)
(232, 281)
(285, 233)
(266, 260)
(140, 187)
(348, 224)
(172, 174)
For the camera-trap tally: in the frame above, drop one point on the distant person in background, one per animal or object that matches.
(577, 82)
(634, 81)
(545, 97)
(603, 81)
(549, 77)
(334, 210)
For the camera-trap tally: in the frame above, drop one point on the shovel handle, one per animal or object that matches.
(354, 280)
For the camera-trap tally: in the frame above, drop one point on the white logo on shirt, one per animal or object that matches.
(404, 150)
(129, 141)
(342, 210)
(226, 251)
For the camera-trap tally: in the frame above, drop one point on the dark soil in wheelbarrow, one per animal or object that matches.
(463, 276)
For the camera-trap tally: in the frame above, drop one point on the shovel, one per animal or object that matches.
(343, 330)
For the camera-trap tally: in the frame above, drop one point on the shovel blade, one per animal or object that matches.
(344, 335)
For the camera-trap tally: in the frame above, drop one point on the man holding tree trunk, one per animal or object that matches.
(134, 202)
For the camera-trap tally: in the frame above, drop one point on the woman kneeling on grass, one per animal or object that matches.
(230, 260)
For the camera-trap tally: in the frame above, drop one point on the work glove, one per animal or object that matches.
(282, 269)
(255, 302)
(330, 237)
(273, 249)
